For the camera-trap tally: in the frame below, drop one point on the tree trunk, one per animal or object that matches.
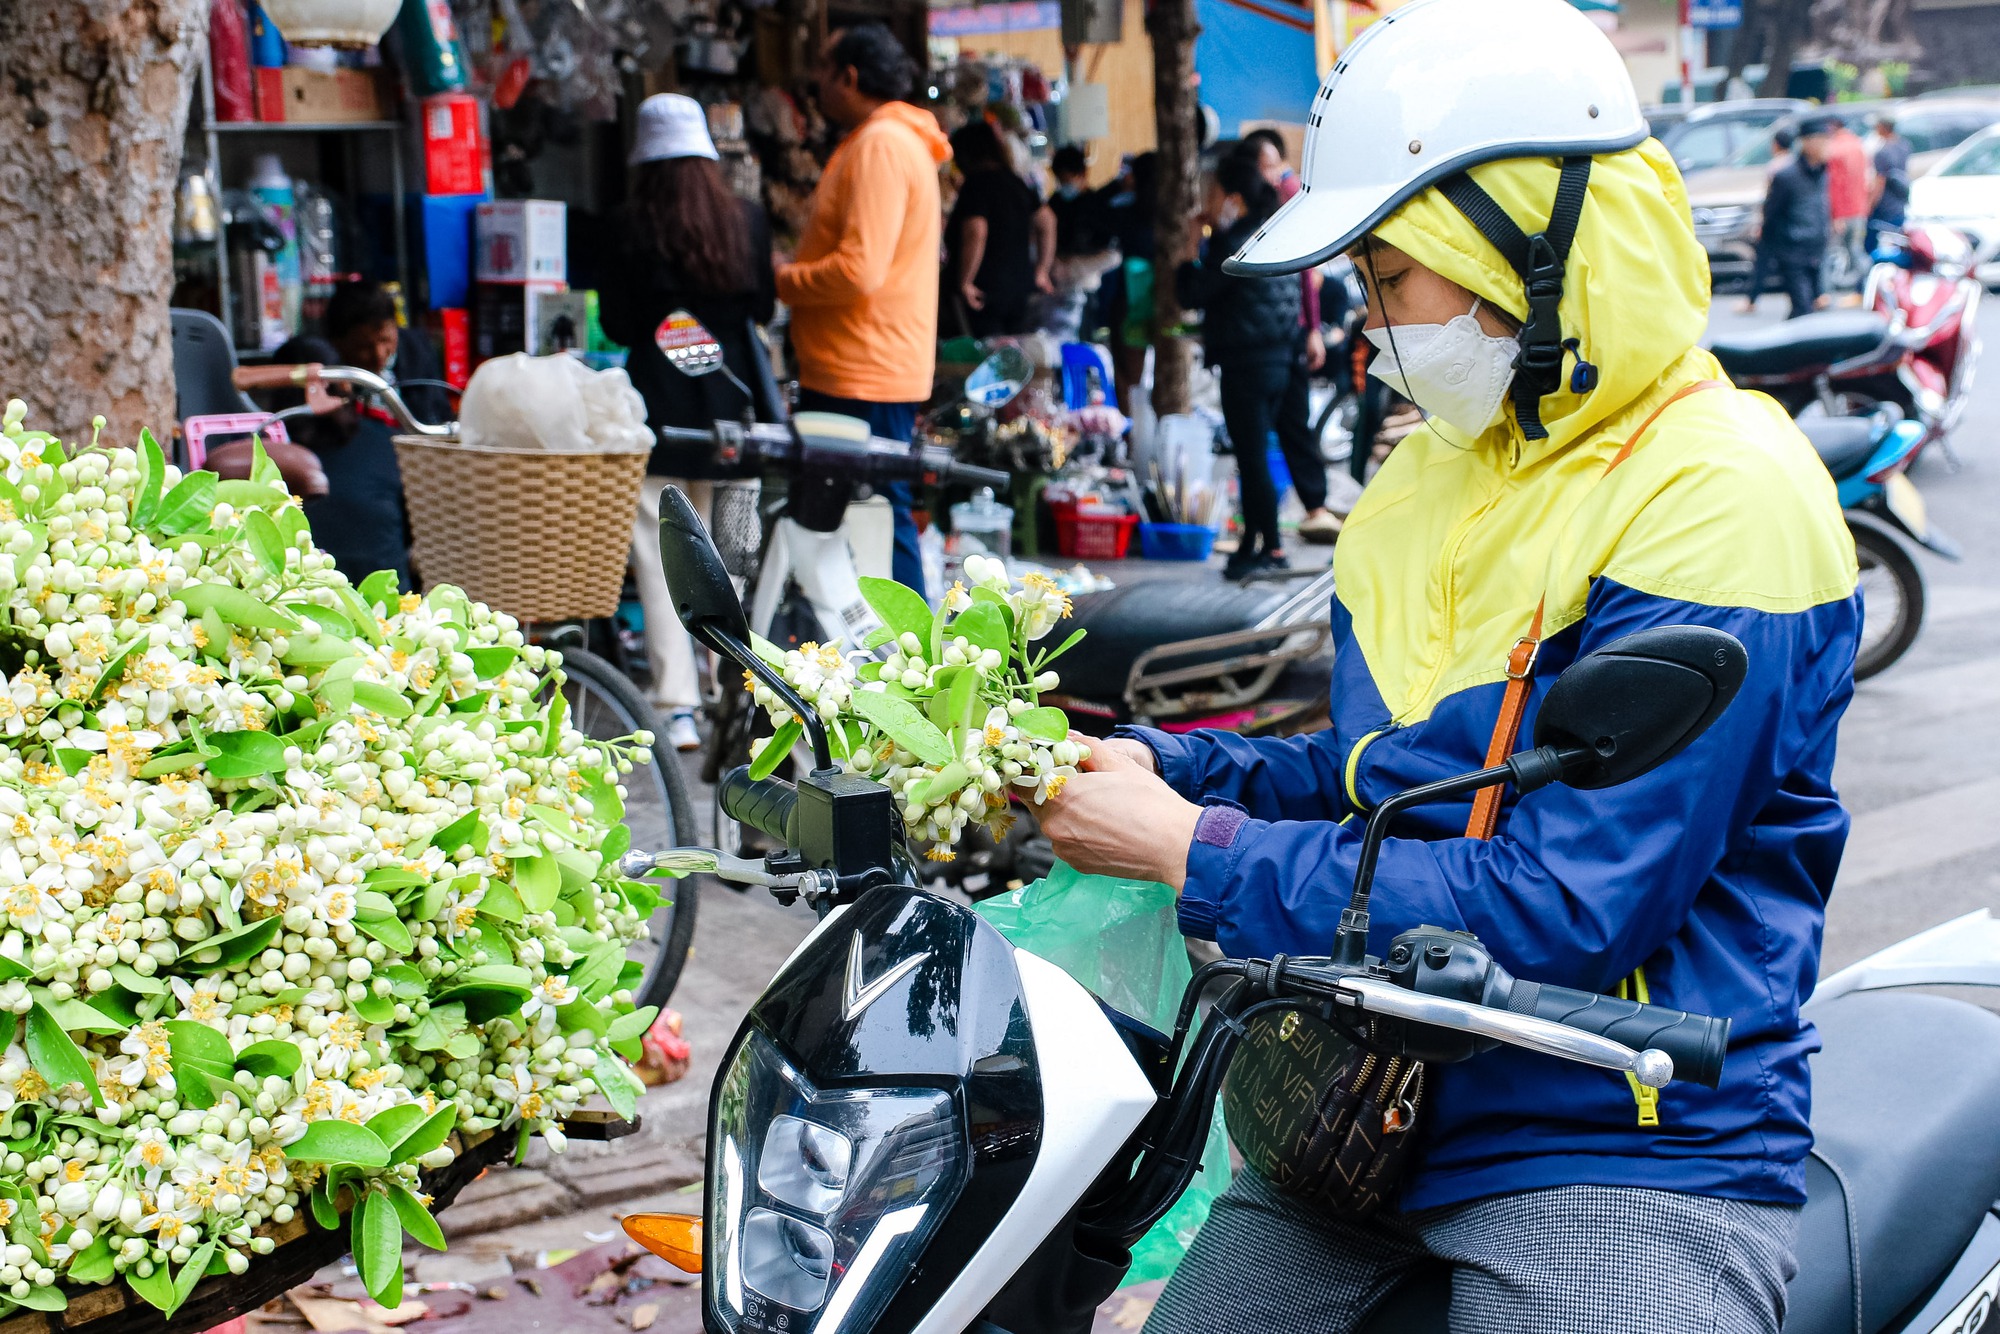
(1177, 113)
(93, 105)
(1791, 21)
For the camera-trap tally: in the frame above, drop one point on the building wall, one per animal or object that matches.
(1126, 67)
(1961, 41)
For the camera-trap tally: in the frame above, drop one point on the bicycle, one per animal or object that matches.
(602, 702)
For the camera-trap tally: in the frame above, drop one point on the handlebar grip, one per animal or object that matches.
(687, 435)
(272, 377)
(977, 476)
(1695, 1041)
(765, 804)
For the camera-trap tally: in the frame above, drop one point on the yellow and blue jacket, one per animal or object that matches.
(1701, 886)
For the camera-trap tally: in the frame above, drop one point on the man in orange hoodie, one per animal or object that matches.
(863, 290)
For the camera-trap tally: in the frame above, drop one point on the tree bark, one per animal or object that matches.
(93, 106)
(1791, 21)
(1177, 114)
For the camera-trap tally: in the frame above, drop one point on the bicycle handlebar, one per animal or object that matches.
(315, 378)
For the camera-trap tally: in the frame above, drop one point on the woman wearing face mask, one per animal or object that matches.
(1586, 472)
(1251, 335)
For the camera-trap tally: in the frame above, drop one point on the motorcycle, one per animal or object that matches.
(1869, 458)
(1915, 346)
(920, 1128)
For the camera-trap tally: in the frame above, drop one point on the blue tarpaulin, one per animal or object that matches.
(1255, 59)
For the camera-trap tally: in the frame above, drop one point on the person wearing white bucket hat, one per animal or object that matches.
(684, 243)
(1535, 286)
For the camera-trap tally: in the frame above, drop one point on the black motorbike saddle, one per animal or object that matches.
(1843, 443)
(1822, 338)
(1905, 1165)
(1126, 621)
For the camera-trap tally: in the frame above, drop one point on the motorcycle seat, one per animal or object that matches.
(1126, 621)
(1903, 1099)
(1806, 343)
(1843, 443)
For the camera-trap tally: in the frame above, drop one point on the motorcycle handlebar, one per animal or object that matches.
(1697, 1042)
(765, 804)
(877, 459)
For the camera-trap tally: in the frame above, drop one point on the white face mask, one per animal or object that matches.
(1456, 371)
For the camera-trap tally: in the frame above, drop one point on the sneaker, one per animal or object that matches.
(682, 734)
(1320, 527)
(1273, 560)
(1242, 563)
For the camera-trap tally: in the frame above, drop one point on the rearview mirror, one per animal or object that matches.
(995, 381)
(703, 596)
(1629, 707)
(687, 344)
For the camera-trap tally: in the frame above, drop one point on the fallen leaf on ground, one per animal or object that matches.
(333, 1316)
(643, 1315)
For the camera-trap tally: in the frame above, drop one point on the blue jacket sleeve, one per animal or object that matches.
(1579, 888)
(1275, 778)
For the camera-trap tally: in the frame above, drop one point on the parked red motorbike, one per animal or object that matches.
(1914, 342)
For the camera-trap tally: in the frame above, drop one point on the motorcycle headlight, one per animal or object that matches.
(819, 1199)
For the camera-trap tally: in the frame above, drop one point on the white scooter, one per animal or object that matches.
(920, 1129)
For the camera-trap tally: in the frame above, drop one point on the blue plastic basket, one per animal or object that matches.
(1175, 541)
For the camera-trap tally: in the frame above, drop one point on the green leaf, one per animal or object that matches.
(323, 1211)
(578, 869)
(198, 1042)
(500, 902)
(405, 982)
(372, 905)
(44, 1299)
(416, 1219)
(962, 701)
(244, 493)
(268, 1058)
(902, 609)
(8, 1021)
(597, 975)
(55, 1057)
(777, 748)
(394, 1125)
(118, 1003)
(233, 947)
(553, 724)
(905, 724)
(186, 507)
(13, 968)
(945, 782)
(463, 1046)
(539, 880)
(455, 835)
(114, 670)
(485, 1001)
(152, 475)
(158, 1287)
(580, 1016)
(322, 652)
(78, 1017)
(235, 607)
(619, 1086)
(1061, 648)
(1045, 724)
(262, 537)
(246, 754)
(434, 1029)
(391, 932)
(877, 637)
(432, 1133)
(383, 591)
(262, 471)
(170, 764)
(73, 761)
(616, 844)
(633, 1023)
(375, 1009)
(336, 1141)
(329, 621)
(93, 1265)
(378, 698)
(192, 1272)
(488, 663)
(983, 624)
(257, 1002)
(560, 823)
(291, 522)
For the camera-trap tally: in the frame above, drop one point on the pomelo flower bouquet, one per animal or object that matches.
(951, 717)
(297, 879)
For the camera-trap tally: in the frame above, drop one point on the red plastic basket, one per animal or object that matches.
(1082, 535)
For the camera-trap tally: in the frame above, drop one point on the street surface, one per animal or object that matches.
(1919, 768)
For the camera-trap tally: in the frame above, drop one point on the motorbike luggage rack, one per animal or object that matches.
(1241, 678)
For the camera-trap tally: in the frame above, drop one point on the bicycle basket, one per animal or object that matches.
(542, 535)
(738, 527)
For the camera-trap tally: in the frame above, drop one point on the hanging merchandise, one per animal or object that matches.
(267, 47)
(272, 189)
(431, 52)
(194, 212)
(349, 23)
(229, 61)
(318, 238)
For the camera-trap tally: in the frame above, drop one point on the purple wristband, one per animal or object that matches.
(1219, 824)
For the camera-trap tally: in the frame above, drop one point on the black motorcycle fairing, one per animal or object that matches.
(1808, 344)
(1842, 443)
(1126, 621)
(956, 1019)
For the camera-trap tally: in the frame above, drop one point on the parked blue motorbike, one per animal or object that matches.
(1869, 458)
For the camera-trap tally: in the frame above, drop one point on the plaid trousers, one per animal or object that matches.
(1568, 1260)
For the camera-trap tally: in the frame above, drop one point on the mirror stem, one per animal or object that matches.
(1351, 943)
(734, 648)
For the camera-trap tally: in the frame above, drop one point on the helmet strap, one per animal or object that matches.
(1539, 260)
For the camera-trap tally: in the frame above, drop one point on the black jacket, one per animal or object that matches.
(641, 289)
(1245, 321)
(1797, 218)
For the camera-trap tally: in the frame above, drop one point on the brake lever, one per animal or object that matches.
(785, 886)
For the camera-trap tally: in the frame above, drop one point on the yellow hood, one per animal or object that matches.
(1635, 289)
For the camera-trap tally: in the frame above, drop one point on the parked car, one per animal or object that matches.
(1728, 200)
(1713, 132)
(1963, 192)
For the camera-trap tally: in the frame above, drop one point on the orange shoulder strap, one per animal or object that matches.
(1521, 658)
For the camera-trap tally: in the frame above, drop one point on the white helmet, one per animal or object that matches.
(1431, 89)
(1435, 88)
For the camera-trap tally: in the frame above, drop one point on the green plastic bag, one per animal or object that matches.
(1120, 939)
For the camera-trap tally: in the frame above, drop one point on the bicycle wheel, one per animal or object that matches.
(604, 705)
(1892, 600)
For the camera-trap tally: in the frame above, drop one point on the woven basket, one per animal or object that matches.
(539, 534)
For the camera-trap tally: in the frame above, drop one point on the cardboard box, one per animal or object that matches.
(454, 154)
(446, 244)
(507, 316)
(319, 97)
(522, 241)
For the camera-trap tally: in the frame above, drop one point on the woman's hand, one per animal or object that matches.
(1118, 817)
(973, 297)
(1315, 350)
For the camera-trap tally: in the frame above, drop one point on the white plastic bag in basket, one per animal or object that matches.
(558, 403)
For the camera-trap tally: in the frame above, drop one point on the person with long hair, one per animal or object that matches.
(685, 243)
(1251, 335)
(1000, 241)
